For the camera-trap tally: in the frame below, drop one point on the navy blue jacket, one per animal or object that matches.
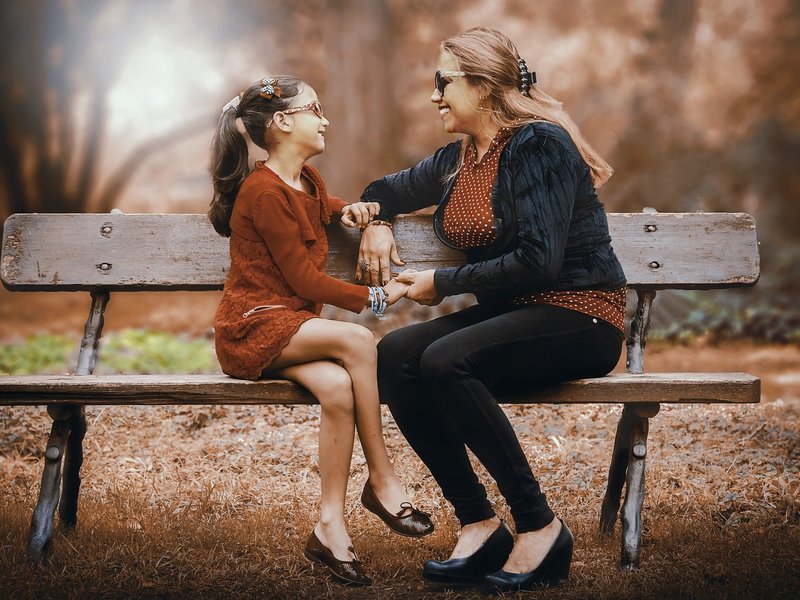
(551, 231)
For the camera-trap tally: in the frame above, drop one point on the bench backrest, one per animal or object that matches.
(182, 252)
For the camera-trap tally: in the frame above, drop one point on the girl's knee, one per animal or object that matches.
(338, 391)
(360, 341)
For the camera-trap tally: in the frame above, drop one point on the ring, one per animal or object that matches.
(363, 264)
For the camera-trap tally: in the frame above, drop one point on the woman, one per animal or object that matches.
(517, 194)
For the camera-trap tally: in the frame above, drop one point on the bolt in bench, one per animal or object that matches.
(103, 253)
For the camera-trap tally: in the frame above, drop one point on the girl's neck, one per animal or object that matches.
(287, 165)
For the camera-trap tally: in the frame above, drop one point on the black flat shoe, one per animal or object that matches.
(409, 521)
(492, 555)
(553, 569)
(347, 571)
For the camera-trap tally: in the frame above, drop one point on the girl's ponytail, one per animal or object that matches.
(228, 169)
(229, 156)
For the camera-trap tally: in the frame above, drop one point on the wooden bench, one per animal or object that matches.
(102, 253)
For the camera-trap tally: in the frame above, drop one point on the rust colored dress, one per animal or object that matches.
(277, 278)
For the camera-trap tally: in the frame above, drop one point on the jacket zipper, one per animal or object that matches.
(261, 308)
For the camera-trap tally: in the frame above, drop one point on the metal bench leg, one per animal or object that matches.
(634, 492)
(73, 459)
(66, 442)
(43, 515)
(616, 472)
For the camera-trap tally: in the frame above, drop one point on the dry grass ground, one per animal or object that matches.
(202, 502)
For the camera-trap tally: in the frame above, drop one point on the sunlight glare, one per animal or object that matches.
(155, 90)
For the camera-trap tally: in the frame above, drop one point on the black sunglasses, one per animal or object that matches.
(442, 78)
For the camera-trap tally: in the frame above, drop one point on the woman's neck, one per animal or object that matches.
(483, 137)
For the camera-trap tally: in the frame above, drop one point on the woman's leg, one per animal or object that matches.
(354, 347)
(425, 426)
(513, 352)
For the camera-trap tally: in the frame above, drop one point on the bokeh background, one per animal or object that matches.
(696, 104)
(112, 104)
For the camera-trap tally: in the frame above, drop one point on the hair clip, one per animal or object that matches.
(526, 78)
(269, 89)
(233, 103)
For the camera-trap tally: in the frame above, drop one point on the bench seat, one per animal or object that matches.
(667, 388)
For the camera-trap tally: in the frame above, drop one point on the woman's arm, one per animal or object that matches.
(545, 176)
(416, 187)
(403, 192)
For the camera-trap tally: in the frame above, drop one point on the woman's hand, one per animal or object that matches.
(375, 255)
(422, 289)
(395, 290)
(359, 214)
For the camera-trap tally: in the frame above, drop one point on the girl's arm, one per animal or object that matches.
(277, 224)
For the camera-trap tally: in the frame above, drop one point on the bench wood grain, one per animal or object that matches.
(183, 252)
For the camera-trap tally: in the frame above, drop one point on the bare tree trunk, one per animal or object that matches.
(359, 97)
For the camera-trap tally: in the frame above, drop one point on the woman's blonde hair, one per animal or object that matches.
(489, 59)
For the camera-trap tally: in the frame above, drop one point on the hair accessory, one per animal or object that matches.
(269, 89)
(233, 103)
(526, 78)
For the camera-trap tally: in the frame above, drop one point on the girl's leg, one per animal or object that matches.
(354, 347)
(331, 384)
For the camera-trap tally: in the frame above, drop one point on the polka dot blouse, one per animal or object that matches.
(468, 223)
(609, 306)
(468, 216)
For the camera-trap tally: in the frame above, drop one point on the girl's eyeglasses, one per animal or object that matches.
(314, 107)
(442, 78)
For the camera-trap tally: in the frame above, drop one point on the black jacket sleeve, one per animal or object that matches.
(416, 187)
(544, 179)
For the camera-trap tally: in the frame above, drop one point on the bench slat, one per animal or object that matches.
(220, 389)
(182, 252)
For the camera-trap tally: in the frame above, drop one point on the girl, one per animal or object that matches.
(267, 321)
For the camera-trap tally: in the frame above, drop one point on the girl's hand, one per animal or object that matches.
(375, 255)
(395, 290)
(422, 290)
(359, 214)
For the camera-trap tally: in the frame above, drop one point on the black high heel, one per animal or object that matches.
(492, 555)
(553, 569)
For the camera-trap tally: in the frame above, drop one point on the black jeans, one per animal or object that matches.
(439, 377)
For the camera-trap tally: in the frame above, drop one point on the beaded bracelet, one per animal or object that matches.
(378, 300)
(379, 222)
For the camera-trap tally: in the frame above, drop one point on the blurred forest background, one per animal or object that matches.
(695, 103)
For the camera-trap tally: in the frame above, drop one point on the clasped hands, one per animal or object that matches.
(376, 255)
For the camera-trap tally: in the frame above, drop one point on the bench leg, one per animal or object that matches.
(617, 472)
(634, 488)
(73, 459)
(43, 516)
